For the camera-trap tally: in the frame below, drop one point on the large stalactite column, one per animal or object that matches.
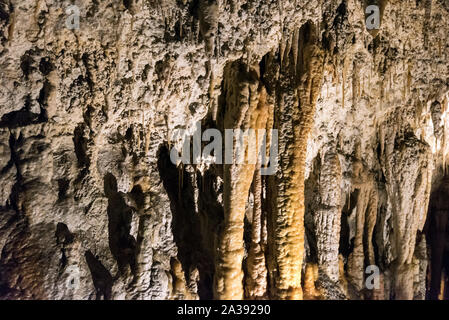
(407, 167)
(243, 107)
(365, 188)
(297, 90)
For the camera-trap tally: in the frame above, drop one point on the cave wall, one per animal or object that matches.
(91, 207)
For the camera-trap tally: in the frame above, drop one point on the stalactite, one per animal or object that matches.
(187, 228)
(208, 16)
(297, 92)
(256, 277)
(444, 136)
(407, 168)
(244, 108)
(355, 84)
(295, 45)
(404, 89)
(327, 218)
(409, 77)
(343, 84)
(363, 183)
(256, 281)
(288, 47)
(147, 134)
(282, 48)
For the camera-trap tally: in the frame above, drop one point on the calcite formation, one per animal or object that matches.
(92, 94)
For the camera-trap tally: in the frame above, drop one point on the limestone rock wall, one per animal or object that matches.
(92, 207)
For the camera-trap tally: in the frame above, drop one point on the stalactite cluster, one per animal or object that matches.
(296, 92)
(92, 205)
(245, 108)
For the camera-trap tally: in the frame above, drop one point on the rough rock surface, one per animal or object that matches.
(92, 207)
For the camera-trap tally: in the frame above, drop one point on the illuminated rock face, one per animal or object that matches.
(91, 205)
(300, 76)
(245, 108)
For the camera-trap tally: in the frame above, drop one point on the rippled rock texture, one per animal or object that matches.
(92, 207)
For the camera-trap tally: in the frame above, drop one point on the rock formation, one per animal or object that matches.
(94, 93)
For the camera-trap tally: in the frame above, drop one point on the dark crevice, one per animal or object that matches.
(191, 230)
(16, 191)
(138, 196)
(145, 72)
(127, 4)
(376, 247)
(63, 186)
(45, 66)
(24, 116)
(80, 143)
(101, 277)
(346, 244)
(437, 234)
(121, 243)
(63, 238)
(88, 78)
(26, 64)
(43, 95)
(311, 202)
(63, 235)
(5, 11)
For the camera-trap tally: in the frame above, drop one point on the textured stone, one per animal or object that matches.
(91, 206)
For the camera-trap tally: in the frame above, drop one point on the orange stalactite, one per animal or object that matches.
(298, 91)
(245, 109)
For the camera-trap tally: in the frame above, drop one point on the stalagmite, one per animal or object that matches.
(244, 108)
